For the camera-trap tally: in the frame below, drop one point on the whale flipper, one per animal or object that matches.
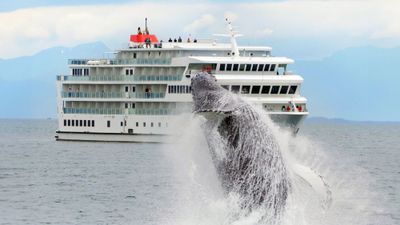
(316, 182)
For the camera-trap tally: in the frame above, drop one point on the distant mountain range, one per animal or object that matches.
(355, 84)
(27, 84)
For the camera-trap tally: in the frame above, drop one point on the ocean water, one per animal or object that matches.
(43, 181)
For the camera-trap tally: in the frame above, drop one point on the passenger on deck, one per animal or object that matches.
(179, 39)
(195, 40)
(288, 108)
(174, 39)
(300, 108)
(283, 108)
(188, 40)
(139, 31)
(169, 40)
(148, 42)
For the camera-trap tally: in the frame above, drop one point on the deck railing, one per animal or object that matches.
(80, 94)
(121, 78)
(119, 111)
(150, 61)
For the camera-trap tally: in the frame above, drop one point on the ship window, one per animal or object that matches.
(245, 89)
(254, 68)
(144, 124)
(292, 89)
(225, 87)
(69, 123)
(122, 124)
(235, 67)
(137, 124)
(174, 89)
(65, 123)
(272, 67)
(159, 124)
(126, 105)
(255, 90)
(126, 88)
(76, 123)
(235, 88)
(108, 123)
(131, 72)
(261, 67)
(248, 67)
(133, 88)
(241, 67)
(130, 131)
(152, 124)
(73, 123)
(284, 90)
(275, 90)
(84, 123)
(222, 67)
(92, 123)
(80, 123)
(228, 67)
(265, 89)
(133, 105)
(126, 72)
(266, 67)
(134, 55)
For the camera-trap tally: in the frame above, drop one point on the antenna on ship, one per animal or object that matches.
(232, 34)
(146, 30)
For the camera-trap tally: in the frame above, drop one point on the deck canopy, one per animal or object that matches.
(141, 38)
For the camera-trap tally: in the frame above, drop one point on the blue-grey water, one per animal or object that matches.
(43, 181)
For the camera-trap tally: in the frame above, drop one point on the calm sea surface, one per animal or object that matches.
(47, 182)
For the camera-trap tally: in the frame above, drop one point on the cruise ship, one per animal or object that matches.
(139, 93)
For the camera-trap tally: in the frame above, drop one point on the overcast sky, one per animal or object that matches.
(301, 28)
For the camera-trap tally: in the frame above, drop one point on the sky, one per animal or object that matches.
(300, 29)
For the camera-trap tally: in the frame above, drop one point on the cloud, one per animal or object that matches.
(263, 32)
(200, 24)
(27, 31)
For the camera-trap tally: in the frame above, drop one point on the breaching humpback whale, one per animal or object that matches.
(246, 155)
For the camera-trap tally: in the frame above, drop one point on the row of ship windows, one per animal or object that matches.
(137, 124)
(178, 89)
(129, 72)
(80, 72)
(79, 123)
(247, 67)
(151, 124)
(90, 123)
(266, 89)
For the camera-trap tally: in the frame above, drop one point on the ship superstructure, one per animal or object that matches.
(135, 95)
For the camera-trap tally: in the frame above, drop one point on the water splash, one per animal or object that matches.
(201, 199)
